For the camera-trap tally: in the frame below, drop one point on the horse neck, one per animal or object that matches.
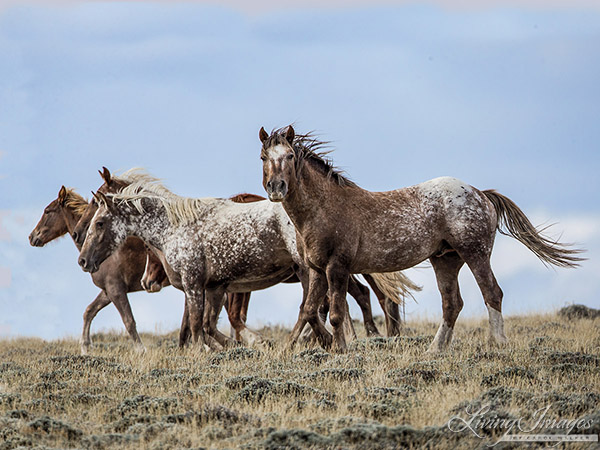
(152, 226)
(308, 196)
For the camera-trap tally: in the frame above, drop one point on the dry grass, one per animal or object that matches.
(384, 393)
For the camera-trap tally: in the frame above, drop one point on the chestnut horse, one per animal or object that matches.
(344, 229)
(207, 246)
(117, 276)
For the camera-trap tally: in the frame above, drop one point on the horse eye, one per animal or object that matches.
(290, 156)
(99, 224)
(263, 158)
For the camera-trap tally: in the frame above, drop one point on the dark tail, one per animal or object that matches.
(517, 225)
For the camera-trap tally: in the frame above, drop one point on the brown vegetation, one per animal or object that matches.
(383, 393)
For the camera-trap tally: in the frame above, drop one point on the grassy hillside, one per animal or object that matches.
(384, 393)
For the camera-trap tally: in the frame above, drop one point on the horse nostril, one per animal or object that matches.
(269, 184)
(282, 185)
(82, 262)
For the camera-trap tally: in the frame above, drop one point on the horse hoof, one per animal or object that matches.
(214, 345)
(251, 338)
(339, 349)
(499, 340)
(140, 348)
(373, 334)
(434, 350)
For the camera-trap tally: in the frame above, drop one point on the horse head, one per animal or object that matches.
(279, 169)
(106, 232)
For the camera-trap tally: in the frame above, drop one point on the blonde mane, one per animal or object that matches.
(180, 210)
(76, 202)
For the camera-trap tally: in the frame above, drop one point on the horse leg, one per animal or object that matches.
(337, 279)
(194, 298)
(361, 294)
(301, 323)
(90, 312)
(393, 322)
(210, 319)
(446, 269)
(390, 309)
(314, 291)
(215, 298)
(185, 332)
(324, 310)
(492, 295)
(237, 318)
(234, 313)
(229, 304)
(245, 304)
(307, 336)
(118, 295)
(247, 335)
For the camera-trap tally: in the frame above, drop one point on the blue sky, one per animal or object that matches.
(503, 97)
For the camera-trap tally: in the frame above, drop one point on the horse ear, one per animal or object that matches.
(105, 174)
(98, 197)
(102, 199)
(62, 196)
(263, 135)
(290, 134)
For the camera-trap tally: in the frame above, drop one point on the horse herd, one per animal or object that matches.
(317, 228)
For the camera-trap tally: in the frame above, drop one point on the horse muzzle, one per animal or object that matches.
(276, 197)
(34, 240)
(276, 190)
(88, 266)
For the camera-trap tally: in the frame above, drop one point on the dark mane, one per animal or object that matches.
(308, 148)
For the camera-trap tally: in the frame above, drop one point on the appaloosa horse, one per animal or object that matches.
(117, 275)
(154, 277)
(208, 246)
(344, 229)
